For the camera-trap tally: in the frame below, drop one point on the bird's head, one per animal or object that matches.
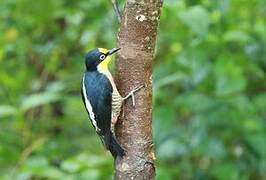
(98, 59)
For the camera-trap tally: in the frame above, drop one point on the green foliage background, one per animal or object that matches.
(209, 89)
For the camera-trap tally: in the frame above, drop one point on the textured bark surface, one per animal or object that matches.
(136, 39)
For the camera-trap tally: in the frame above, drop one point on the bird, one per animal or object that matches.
(101, 98)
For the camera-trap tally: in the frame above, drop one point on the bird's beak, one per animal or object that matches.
(112, 51)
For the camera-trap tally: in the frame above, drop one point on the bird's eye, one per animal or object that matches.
(102, 57)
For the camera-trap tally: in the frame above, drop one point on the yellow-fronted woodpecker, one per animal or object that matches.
(101, 97)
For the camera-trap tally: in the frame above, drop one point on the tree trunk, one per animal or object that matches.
(136, 39)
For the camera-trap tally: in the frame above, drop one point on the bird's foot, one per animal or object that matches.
(131, 94)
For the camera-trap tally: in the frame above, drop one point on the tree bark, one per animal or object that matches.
(137, 37)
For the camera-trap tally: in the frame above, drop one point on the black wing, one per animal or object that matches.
(99, 95)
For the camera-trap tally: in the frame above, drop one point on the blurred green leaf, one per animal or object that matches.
(164, 174)
(7, 110)
(197, 19)
(229, 77)
(236, 36)
(82, 161)
(71, 166)
(38, 99)
(39, 167)
(92, 174)
(257, 143)
(225, 171)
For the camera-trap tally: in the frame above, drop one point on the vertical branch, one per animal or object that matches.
(116, 10)
(137, 37)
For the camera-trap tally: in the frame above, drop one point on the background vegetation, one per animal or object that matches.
(209, 89)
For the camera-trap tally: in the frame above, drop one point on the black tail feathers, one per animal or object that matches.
(115, 149)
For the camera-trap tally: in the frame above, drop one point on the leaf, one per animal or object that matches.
(35, 100)
(55, 86)
(197, 19)
(171, 148)
(229, 76)
(7, 110)
(92, 174)
(195, 62)
(193, 101)
(168, 80)
(164, 119)
(236, 36)
(225, 171)
(39, 166)
(257, 143)
(163, 173)
(11, 34)
(260, 103)
(79, 162)
(1, 54)
(70, 166)
(213, 148)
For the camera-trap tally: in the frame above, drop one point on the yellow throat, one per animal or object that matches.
(103, 66)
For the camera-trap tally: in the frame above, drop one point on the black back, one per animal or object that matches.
(99, 93)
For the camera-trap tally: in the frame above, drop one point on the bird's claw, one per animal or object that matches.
(131, 94)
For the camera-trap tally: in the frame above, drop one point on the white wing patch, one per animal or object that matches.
(88, 105)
